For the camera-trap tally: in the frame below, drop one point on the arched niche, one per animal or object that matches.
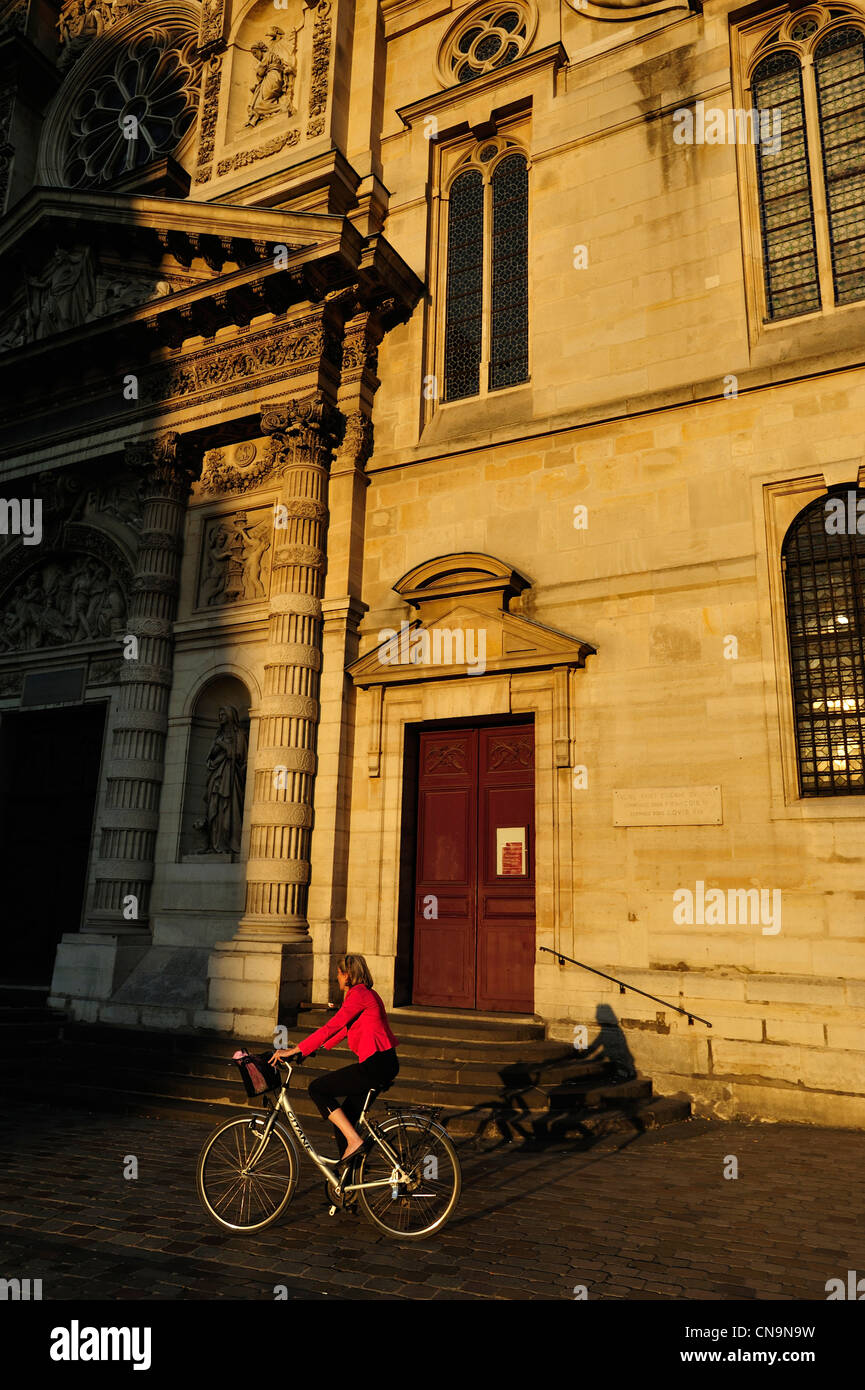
(215, 780)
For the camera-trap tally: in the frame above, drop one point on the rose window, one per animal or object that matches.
(135, 112)
(491, 39)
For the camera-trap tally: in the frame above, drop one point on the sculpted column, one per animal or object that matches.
(115, 935)
(269, 960)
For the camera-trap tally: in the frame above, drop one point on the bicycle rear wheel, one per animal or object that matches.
(419, 1208)
(241, 1200)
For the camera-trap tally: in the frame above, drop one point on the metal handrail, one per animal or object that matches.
(622, 986)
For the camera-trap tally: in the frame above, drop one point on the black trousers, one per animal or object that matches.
(346, 1089)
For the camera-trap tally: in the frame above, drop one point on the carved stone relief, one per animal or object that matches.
(238, 469)
(321, 44)
(272, 91)
(68, 599)
(235, 558)
(82, 21)
(228, 368)
(69, 291)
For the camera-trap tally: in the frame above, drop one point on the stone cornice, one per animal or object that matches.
(463, 94)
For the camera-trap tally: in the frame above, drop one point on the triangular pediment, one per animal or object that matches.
(74, 261)
(465, 639)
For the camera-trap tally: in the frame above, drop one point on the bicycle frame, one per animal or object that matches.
(324, 1165)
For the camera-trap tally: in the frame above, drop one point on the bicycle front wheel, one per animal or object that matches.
(241, 1187)
(420, 1207)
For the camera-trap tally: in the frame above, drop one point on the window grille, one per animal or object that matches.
(509, 338)
(824, 577)
(786, 207)
(839, 70)
(465, 286)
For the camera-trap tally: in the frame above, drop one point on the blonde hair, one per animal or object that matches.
(357, 970)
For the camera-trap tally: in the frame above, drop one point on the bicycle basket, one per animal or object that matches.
(256, 1073)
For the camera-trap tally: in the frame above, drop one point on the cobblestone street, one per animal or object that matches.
(635, 1217)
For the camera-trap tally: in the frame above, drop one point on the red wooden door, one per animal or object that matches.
(474, 937)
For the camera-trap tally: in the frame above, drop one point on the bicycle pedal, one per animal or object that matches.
(333, 1211)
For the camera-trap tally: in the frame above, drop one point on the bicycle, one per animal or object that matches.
(247, 1169)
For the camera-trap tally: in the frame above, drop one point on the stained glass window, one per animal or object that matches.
(786, 208)
(465, 286)
(509, 336)
(839, 70)
(824, 576)
(493, 38)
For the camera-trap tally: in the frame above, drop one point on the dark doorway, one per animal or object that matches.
(474, 908)
(49, 770)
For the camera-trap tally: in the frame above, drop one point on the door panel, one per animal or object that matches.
(475, 869)
(444, 943)
(506, 897)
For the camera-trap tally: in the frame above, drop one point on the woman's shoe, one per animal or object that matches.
(346, 1164)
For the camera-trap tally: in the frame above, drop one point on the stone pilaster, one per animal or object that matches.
(343, 610)
(124, 869)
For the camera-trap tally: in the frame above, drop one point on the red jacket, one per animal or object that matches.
(363, 1018)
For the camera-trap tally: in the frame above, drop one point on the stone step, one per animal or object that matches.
(134, 1053)
(467, 1024)
(588, 1094)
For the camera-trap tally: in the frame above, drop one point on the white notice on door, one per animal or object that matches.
(511, 850)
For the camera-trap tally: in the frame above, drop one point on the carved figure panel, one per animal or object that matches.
(72, 289)
(82, 21)
(278, 78)
(67, 599)
(235, 558)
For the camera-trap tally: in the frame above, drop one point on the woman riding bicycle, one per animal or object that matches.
(363, 1020)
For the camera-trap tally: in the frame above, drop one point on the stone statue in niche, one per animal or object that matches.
(275, 73)
(226, 780)
(60, 604)
(236, 560)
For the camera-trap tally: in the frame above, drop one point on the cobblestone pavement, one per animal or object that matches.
(635, 1217)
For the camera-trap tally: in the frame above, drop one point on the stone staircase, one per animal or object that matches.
(495, 1076)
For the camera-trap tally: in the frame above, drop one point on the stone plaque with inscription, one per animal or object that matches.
(667, 806)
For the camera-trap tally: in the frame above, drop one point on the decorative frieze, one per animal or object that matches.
(208, 115)
(245, 157)
(321, 46)
(274, 349)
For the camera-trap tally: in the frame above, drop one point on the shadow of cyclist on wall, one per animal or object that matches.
(517, 1112)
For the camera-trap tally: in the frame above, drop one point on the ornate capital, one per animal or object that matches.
(303, 431)
(357, 445)
(162, 464)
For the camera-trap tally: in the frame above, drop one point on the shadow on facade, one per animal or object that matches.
(568, 1098)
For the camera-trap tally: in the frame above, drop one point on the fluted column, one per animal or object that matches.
(136, 756)
(303, 434)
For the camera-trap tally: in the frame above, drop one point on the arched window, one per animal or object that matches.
(486, 297)
(824, 578)
(810, 91)
(839, 68)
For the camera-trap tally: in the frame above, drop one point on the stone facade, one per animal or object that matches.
(224, 376)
